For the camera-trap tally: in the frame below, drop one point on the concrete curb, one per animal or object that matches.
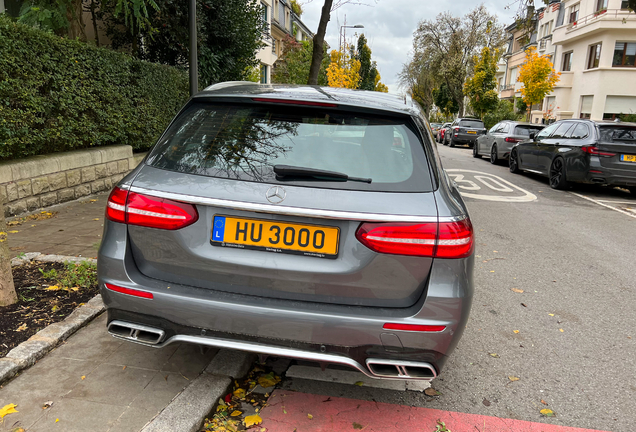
(36, 347)
(188, 410)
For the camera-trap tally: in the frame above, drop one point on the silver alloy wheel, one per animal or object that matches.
(493, 154)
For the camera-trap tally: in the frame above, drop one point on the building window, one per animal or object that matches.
(574, 13)
(601, 5)
(624, 54)
(567, 62)
(625, 4)
(513, 76)
(263, 74)
(594, 56)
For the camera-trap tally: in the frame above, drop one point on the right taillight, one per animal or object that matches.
(511, 140)
(441, 240)
(596, 152)
(144, 210)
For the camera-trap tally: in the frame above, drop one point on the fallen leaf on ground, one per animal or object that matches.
(8, 409)
(52, 288)
(547, 412)
(268, 380)
(96, 219)
(235, 413)
(492, 271)
(561, 330)
(93, 200)
(23, 327)
(253, 420)
(486, 402)
(309, 416)
(513, 378)
(543, 402)
(13, 231)
(517, 290)
(495, 355)
(431, 392)
(515, 331)
(357, 426)
(54, 308)
(551, 314)
(524, 305)
(359, 383)
(47, 404)
(124, 368)
(239, 393)
(83, 377)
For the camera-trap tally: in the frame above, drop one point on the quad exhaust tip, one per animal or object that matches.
(136, 332)
(401, 369)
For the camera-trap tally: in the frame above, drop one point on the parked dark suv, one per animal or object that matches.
(296, 221)
(465, 131)
(581, 151)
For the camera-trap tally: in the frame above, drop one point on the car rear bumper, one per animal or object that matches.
(312, 331)
(599, 174)
(465, 138)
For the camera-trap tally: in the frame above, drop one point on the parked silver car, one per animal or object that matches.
(306, 222)
(499, 140)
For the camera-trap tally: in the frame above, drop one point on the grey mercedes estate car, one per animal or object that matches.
(304, 222)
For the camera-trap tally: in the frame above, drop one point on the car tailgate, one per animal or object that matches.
(617, 145)
(355, 276)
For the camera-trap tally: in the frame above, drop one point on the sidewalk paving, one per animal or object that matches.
(94, 381)
(76, 230)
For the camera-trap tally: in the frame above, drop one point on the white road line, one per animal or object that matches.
(604, 205)
(527, 196)
(618, 202)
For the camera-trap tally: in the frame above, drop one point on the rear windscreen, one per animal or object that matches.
(245, 142)
(618, 133)
(471, 123)
(527, 130)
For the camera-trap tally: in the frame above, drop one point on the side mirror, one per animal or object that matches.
(532, 135)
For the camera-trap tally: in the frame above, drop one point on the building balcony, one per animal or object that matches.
(565, 80)
(610, 19)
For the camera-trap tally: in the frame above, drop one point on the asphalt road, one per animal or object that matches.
(570, 336)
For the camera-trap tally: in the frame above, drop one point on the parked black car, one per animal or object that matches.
(464, 131)
(581, 151)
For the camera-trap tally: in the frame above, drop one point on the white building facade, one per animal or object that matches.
(592, 43)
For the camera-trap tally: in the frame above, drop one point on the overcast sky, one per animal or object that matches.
(389, 26)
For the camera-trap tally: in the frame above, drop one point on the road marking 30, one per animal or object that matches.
(490, 181)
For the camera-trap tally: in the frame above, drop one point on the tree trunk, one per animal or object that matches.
(94, 18)
(7, 290)
(76, 22)
(319, 41)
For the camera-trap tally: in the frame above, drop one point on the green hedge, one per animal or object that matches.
(58, 94)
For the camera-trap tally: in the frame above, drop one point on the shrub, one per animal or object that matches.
(58, 94)
(504, 111)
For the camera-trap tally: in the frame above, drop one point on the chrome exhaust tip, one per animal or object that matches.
(401, 369)
(136, 332)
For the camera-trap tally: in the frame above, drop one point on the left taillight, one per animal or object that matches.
(144, 210)
(440, 240)
(511, 140)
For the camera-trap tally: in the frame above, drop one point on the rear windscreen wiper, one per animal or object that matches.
(293, 171)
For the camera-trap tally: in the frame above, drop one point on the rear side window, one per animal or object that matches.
(527, 130)
(579, 132)
(471, 123)
(618, 133)
(246, 141)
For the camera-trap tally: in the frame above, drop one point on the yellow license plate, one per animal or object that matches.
(628, 158)
(274, 236)
(472, 132)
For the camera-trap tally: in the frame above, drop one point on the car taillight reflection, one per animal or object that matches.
(143, 210)
(436, 240)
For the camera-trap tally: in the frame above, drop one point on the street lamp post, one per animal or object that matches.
(342, 36)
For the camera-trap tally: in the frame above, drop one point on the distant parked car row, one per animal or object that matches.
(461, 131)
(568, 151)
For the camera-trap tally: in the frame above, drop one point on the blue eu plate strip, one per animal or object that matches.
(219, 228)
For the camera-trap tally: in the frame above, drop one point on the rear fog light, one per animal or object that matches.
(129, 291)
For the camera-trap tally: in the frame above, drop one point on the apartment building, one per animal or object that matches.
(513, 58)
(593, 44)
(281, 22)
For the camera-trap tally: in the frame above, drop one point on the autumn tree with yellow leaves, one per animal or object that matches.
(538, 77)
(343, 70)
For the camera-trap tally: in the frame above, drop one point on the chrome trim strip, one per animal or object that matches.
(134, 332)
(294, 211)
(401, 366)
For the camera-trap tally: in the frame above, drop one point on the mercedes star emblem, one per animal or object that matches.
(275, 194)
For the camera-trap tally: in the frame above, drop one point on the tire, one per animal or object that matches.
(513, 162)
(493, 155)
(451, 142)
(558, 178)
(475, 153)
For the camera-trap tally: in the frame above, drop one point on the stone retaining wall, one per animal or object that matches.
(41, 181)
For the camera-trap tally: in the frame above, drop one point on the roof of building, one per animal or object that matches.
(340, 96)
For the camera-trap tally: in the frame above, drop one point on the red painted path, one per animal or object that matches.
(331, 414)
